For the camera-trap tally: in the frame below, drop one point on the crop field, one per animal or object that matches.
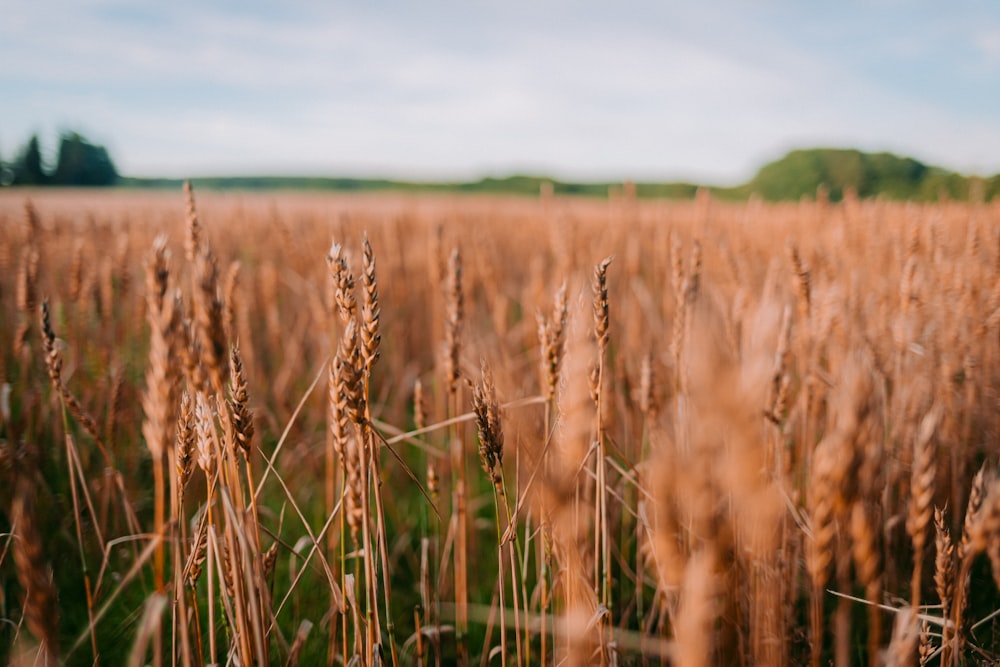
(308, 429)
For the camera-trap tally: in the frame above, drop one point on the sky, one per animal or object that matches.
(590, 90)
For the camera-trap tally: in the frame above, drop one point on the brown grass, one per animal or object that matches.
(726, 447)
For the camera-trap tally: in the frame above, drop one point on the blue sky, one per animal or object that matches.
(629, 89)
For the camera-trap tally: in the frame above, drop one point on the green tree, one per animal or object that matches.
(28, 167)
(6, 173)
(800, 172)
(83, 163)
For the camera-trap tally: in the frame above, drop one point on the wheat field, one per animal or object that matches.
(307, 429)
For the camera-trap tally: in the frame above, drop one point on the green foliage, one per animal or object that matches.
(511, 185)
(80, 163)
(991, 187)
(800, 173)
(666, 190)
(83, 163)
(28, 167)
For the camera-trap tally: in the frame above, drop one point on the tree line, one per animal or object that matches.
(79, 163)
(838, 172)
(798, 174)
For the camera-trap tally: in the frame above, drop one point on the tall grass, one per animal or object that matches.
(762, 434)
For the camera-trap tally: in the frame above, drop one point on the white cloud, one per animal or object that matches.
(987, 41)
(640, 90)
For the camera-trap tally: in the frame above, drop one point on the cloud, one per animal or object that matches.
(987, 41)
(579, 89)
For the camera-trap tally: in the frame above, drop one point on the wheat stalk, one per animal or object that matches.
(922, 487)
(40, 609)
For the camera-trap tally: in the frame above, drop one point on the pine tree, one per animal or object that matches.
(28, 168)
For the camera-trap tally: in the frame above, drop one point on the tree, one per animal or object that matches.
(800, 172)
(83, 163)
(28, 168)
(6, 173)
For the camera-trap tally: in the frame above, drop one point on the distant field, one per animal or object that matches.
(504, 430)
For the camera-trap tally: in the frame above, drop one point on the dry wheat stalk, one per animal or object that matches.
(820, 548)
(602, 540)
(32, 223)
(601, 313)
(698, 611)
(270, 560)
(868, 565)
(40, 608)
(123, 277)
(982, 527)
(192, 240)
(487, 409)
(907, 286)
(649, 395)
(355, 491)
(189, 350)
(228, 578)
(453, 323)
(694, 275)
(419, 405)
(780, 380)
(905, 639)
(345, 441)
(352, 372)
(925, 650)
(370, 339)
(601, 324)
(209, 318)
(53, 362)
(369, 308)
(944, 561)
(966, 551)
(679, 285)
(336, 450)
(338, 396)
(160, 377)
(922, 485)
(455, 306)
(26, 296)
(343, 281)
(242, 417)
(340, 297)
(159, 398)
(230, 285)
(115, 406)
(186, 442)
(106, 288)
(196, 557)
(803, 282)
(985, 531)
(944, 568)
(977, 493)
(205, 426)
(552, 337)
(75, 286)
